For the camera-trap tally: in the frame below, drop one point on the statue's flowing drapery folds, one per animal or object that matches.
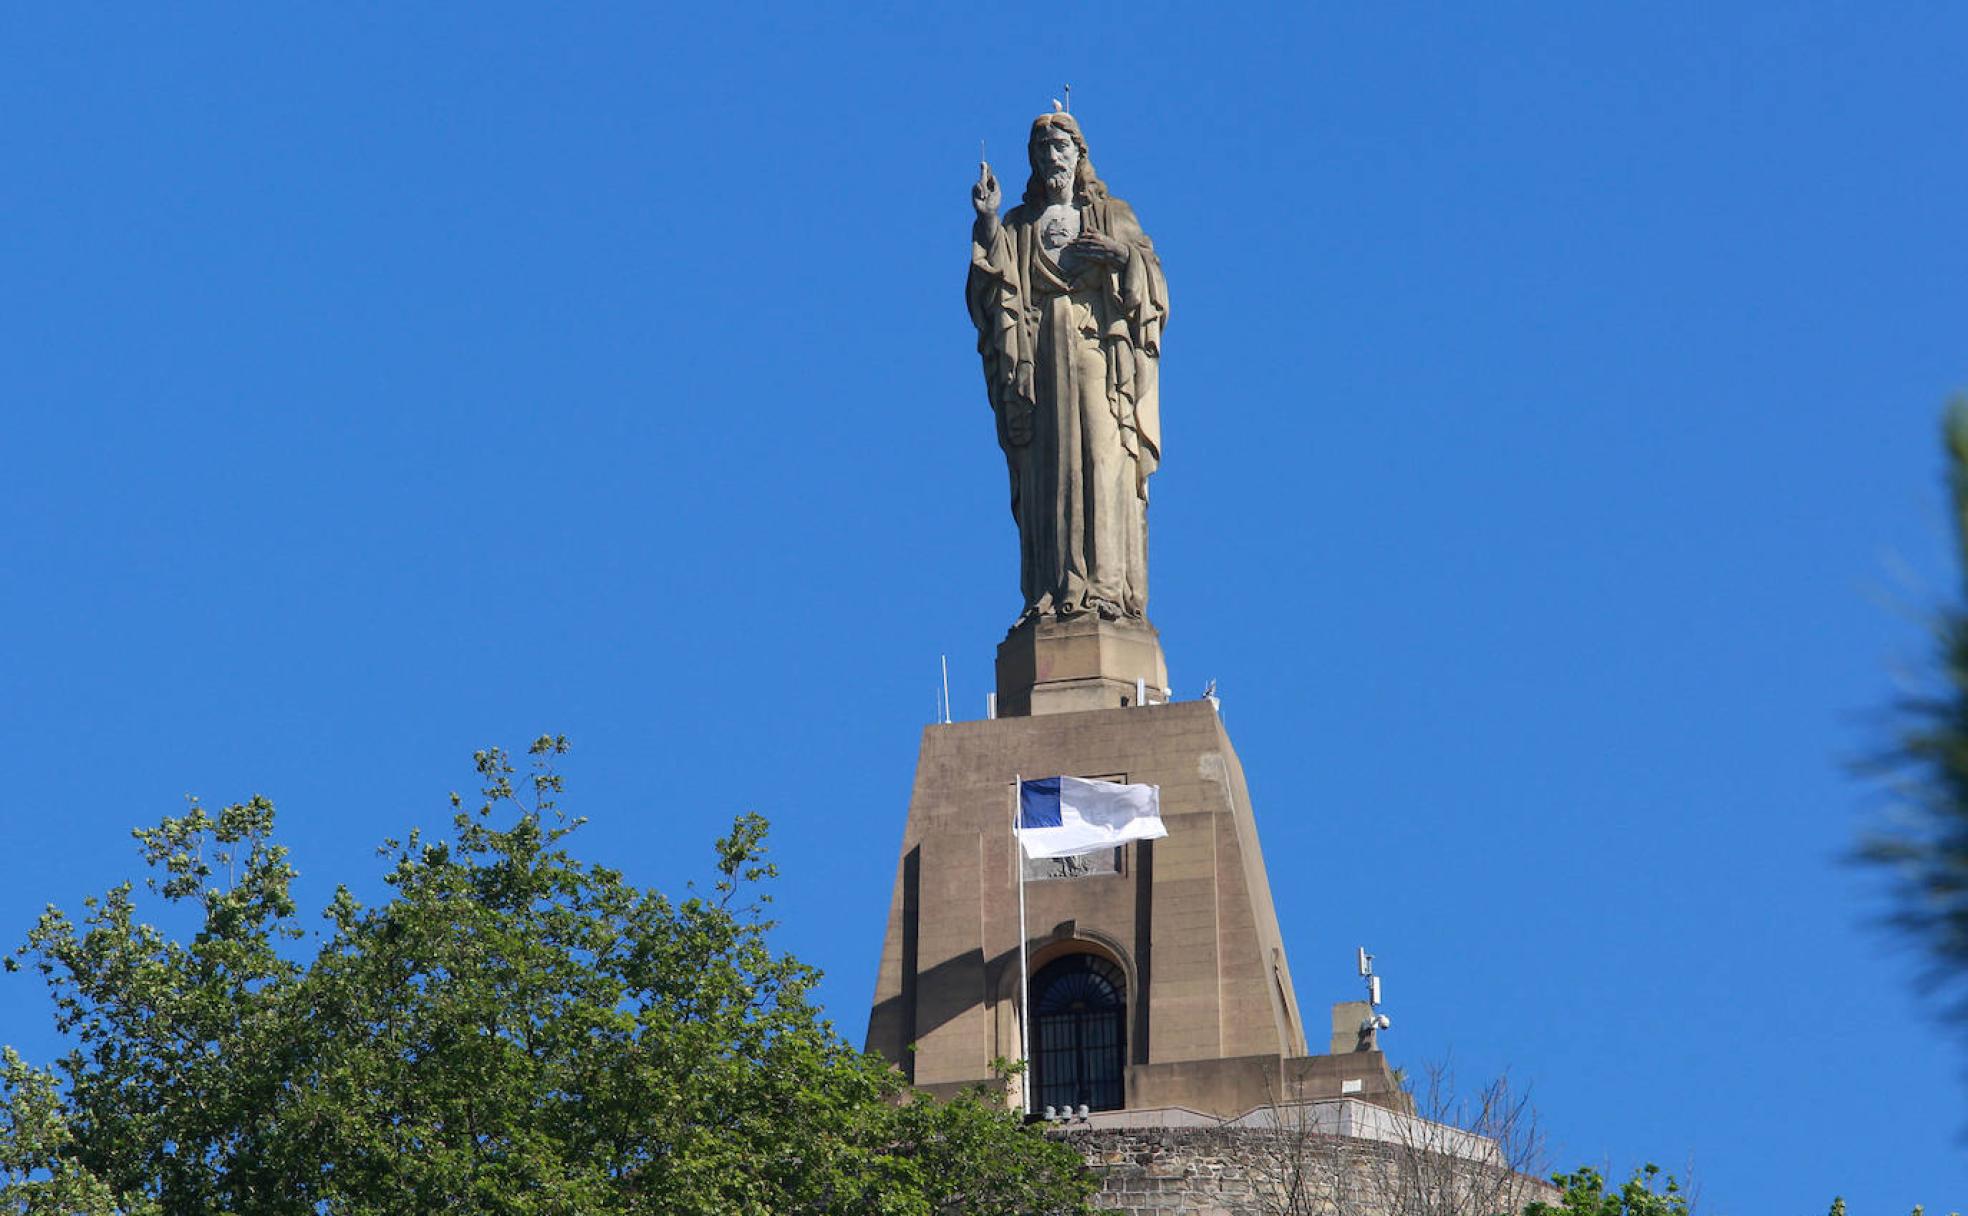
(1070, 348)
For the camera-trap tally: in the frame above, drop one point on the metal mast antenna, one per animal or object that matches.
(1375, 1020)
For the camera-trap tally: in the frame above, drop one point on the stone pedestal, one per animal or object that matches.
(1054, 666)
(1212, 1023)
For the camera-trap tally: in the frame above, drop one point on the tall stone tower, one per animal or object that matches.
(1158, 977)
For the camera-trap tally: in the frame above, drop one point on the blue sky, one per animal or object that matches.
(1551, 480)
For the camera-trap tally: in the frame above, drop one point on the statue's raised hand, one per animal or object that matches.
(985, 195)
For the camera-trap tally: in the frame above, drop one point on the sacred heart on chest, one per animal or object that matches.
(1058, 227)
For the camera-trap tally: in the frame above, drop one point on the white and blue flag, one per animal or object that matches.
(1068, 816)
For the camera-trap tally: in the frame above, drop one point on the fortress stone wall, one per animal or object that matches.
(1290, 1171)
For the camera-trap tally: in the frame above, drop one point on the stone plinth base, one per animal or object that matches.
(1052, 665)
(1211, 1021)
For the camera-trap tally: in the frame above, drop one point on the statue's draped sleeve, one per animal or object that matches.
(995, 293)
(1134, 337)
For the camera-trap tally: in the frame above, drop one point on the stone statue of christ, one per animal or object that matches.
(1069, 302)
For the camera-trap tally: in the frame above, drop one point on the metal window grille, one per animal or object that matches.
(1079, 1019)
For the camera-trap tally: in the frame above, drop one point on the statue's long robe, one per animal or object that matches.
(1056, 349)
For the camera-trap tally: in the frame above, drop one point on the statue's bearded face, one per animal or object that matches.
(1057, 158)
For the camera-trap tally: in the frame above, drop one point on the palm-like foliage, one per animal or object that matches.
(1922, 843)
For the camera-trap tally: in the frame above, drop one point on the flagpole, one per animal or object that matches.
(1024, 972)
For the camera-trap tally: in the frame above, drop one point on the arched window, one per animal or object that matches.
(1079, 1019)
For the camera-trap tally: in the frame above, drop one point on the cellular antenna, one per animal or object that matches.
(1375, 1021)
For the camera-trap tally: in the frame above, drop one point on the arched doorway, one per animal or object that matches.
(1079, 1024)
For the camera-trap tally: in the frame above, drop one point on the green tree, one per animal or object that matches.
(1922, 843)
(514, 1032)
(1648, 1193)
